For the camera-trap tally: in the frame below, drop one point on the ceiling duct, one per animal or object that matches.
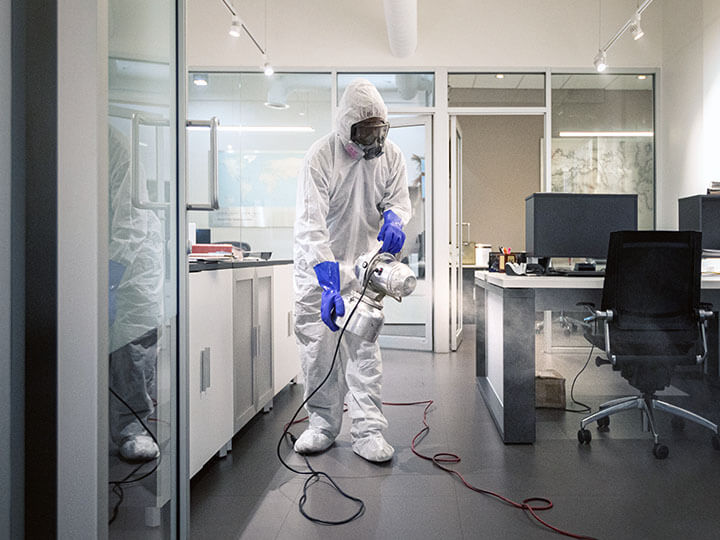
(401, 21)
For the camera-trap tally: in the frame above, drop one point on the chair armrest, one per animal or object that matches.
(705, 314)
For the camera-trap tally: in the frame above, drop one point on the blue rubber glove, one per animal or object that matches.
(331, 305)
(391, 233)
(115, 274)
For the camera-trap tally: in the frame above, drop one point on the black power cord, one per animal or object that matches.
(585, 408)
(313, 475)
(117, 485)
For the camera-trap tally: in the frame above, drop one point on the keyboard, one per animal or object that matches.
(584, 273)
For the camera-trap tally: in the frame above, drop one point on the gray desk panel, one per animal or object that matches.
(514, 412)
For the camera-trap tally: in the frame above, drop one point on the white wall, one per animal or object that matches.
(475, 33)
(690, 103)
(82, 219)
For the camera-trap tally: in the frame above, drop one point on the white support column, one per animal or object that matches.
(82, 232)
(441, 224)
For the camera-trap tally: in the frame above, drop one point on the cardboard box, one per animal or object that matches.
(549, 389)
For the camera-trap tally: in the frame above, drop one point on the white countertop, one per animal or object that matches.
(562, 282)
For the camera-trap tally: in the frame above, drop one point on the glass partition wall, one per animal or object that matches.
(603, 138)
(143, 271)
(266, 125)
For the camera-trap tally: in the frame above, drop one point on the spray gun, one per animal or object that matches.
(381, 275)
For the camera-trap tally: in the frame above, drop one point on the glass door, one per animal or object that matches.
(143, 270)
(408, 325)
(456, 237)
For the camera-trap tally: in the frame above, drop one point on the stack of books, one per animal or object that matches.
(714, 188)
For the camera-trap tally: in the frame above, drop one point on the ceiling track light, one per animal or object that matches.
(632, 24)
(235, 27)
(635, 28)
(600, 61)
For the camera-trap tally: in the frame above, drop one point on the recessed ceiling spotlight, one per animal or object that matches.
(276, 106)
(642, 77)
(499, 76)
(200, 79)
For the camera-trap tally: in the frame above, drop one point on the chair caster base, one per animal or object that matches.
(584, 436)
(660, 451)
(603, 424)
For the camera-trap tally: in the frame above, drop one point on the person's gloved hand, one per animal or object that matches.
(391, 233)
(331, 305)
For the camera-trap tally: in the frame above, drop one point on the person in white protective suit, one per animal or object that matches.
(352, 186)
(135, 306)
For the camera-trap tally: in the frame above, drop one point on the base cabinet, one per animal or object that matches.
(286, 362)
(252, 342)
(241, 351)
(210, 359)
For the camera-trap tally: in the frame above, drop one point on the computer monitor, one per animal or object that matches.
(701, 213)
(576, 224)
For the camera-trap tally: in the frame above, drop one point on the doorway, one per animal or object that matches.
(496, 162)
(408, 325)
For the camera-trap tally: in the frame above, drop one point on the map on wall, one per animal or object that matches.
(256, 189)
(607, 165)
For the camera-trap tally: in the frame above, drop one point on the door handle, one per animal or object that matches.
(139, 119)
(213, 124)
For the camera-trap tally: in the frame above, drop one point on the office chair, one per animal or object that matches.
(653, 321)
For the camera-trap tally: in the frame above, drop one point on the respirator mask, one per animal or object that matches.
(381, 274)
(367, 138)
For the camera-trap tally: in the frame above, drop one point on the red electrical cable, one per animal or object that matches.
(448, 457)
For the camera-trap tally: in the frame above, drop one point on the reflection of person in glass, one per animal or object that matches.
(135, 302)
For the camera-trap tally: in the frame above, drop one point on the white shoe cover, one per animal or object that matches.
(373, 448)
(139, 448)
(312, 441)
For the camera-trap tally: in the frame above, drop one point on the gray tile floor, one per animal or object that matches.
(612, 489)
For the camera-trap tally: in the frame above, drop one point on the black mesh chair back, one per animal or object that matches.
(652, 321)
(652, 285)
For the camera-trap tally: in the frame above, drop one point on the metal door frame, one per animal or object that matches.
(410, 342)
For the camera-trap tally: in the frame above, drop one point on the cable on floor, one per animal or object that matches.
(313, 475)
(585, 408)
(532, 505)
(117, 485)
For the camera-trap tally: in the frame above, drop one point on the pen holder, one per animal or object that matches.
(498, 260)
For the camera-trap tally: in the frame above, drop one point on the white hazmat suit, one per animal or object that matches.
(340, 203)
(136, 299)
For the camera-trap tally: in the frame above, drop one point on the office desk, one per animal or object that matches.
(505, 339)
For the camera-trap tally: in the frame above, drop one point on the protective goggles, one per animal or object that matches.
(367, 134)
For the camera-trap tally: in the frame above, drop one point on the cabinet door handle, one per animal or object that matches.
(257, 341)
(290, 323)
(255, 338)
(205, 369)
